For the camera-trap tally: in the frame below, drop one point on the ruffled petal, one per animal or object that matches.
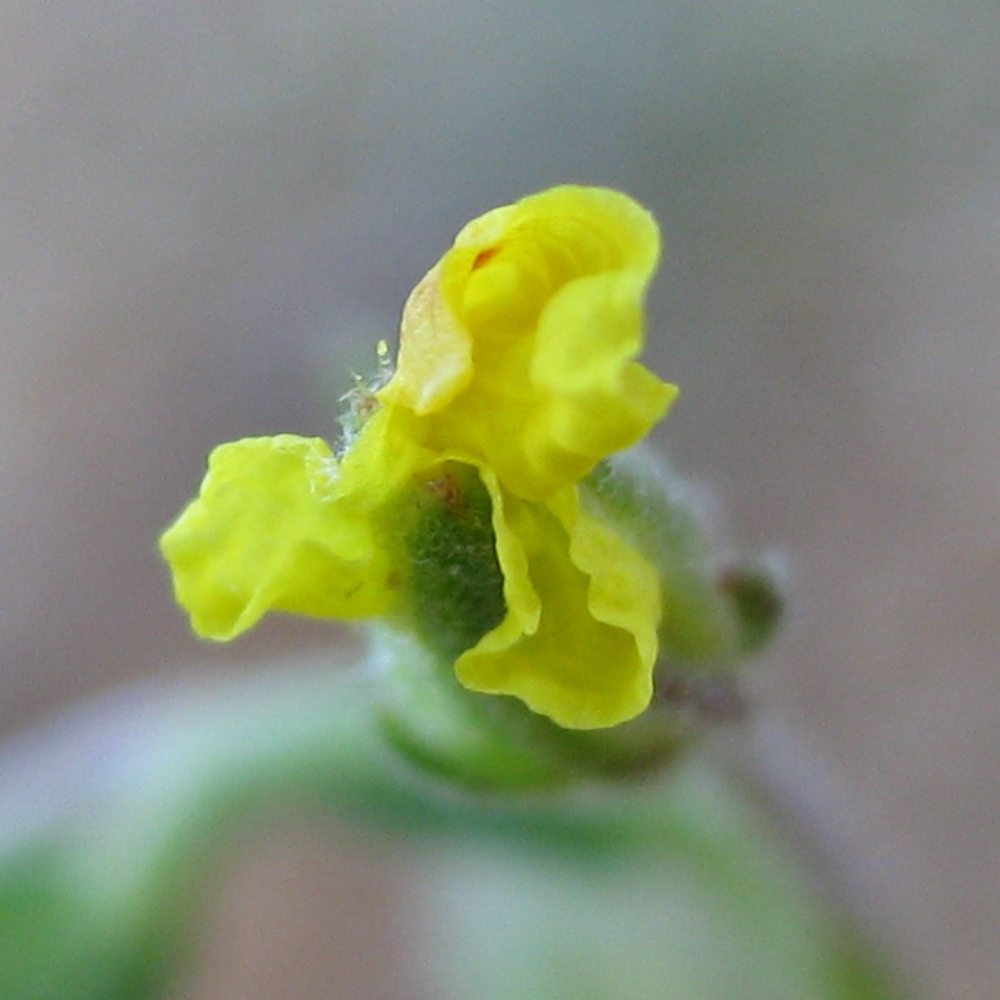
(435, 351)
(594, 399)
(517, 348)
(267, 533)
(624, 587)
(578, 642)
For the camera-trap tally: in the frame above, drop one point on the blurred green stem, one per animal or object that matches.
(111, 823)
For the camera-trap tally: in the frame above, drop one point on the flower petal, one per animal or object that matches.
(435, 351)
(517, 348)
(578, 643)
(624, 588)
(266, 533)
(596, 400)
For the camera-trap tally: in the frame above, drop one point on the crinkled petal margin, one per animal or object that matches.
(266, 533)
(578, 643)
(517, 349)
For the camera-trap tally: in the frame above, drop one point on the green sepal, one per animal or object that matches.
(712, 616)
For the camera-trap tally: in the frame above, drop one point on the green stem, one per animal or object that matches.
(96, 898)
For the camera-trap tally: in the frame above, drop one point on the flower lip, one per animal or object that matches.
(517, 349)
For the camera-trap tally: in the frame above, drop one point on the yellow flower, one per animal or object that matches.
(516, 363)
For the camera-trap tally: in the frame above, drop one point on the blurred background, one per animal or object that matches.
(211, 211)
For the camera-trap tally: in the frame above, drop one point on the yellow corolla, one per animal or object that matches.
(517, 363)
(578, 642)
(517, 349)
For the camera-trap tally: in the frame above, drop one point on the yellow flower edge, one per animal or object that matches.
(266, 533)
(517, 349)
(579, 642)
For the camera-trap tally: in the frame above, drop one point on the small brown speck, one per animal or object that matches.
(484, 257)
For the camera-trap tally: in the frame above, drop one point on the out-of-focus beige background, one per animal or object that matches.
(210, 211)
